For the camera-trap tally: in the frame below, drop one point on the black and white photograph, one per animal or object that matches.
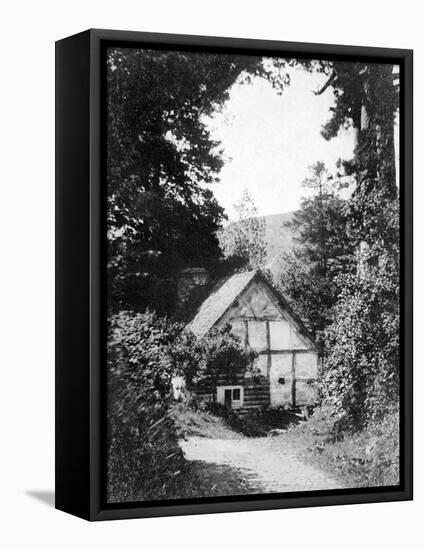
(210, 241)
(253, 274)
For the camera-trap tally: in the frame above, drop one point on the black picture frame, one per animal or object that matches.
(80, 242)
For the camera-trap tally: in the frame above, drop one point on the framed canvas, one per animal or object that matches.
(233, 274)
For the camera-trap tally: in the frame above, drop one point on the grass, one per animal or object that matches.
(196, 479)
(217, 422)
(368, 458)
(257, 422)
(200, 423)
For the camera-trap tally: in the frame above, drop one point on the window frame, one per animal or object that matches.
(220, 395)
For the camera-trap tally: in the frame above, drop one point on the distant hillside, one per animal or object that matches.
(279, 239)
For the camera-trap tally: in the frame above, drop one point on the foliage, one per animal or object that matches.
(194, 419)
(160, 215)
(360, 322)
(202, 361)
(365, 458)
(367, 98)
(143, 455)
(321, 224)
(361, 370)
(354, 309)
(245, 238)
(322, 250)
(220, 353)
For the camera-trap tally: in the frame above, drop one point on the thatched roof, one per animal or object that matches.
(224, 294)
(220, 299)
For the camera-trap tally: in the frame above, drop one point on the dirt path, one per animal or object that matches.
(269, 464)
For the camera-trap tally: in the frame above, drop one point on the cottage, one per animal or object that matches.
(261, 317)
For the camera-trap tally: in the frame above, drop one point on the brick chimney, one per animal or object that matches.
(192, 280)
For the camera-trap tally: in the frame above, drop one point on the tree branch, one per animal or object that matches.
(329, 81)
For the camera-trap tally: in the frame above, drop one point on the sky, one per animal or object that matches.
(270, 140)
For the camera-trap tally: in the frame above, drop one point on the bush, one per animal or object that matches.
(143, 454)
(360, 375)
(221, 354)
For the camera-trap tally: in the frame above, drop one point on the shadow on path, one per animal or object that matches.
(222, 480)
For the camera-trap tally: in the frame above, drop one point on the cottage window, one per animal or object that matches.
(230, 396)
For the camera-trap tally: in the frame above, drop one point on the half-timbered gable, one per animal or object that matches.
(263, 320)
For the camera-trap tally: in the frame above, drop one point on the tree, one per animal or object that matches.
(367, 98)
(160, 216)
(361, 369)
(322, 250)
(245, 238)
